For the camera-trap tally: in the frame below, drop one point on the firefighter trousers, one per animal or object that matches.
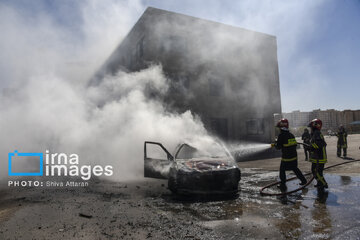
(339, 151)
(307, 154)
(318, 174)
(285, 166)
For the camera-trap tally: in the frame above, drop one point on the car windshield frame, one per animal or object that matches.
(181, 146)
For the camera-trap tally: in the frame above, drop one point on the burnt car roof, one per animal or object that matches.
(191, 149)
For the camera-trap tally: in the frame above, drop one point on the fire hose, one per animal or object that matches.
(290, 179)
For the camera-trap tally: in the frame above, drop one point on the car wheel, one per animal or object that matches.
(172, 184)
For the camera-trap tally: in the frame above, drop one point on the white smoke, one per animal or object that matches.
(46, 103)
(296, 24)
(303, 79)
(45, 66)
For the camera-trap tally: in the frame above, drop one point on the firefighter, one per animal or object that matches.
(318, 155)
(342, 141)
(287, 143)
(306, 139)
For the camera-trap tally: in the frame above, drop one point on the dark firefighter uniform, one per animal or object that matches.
(318, 157)
(306, 138)
(342, 142)
(287, 143)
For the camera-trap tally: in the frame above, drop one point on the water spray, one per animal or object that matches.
(304, 144)
(245, 150)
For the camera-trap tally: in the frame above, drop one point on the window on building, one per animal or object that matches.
(219, 126)
(216, 87)
(255, 126)
(132, 61)
(173, 44)
(180, 82)
(140, 48)
(185, 81)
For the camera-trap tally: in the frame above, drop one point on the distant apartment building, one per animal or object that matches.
(226, 75)
(297, 118)
(330, 118)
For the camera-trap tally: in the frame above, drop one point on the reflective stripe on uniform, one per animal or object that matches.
(313, 160)
(321, 179)
(291, 142)
(288, 159)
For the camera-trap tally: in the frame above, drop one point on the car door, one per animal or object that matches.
(157, 160)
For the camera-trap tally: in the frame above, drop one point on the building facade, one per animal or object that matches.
(330, 118)
(228, 76)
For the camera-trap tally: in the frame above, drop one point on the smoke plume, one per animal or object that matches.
(46, 104)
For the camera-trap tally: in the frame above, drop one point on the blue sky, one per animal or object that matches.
(318, 41)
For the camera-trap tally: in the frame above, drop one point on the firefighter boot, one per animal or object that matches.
(282, 187)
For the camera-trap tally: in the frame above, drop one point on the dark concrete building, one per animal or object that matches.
(226, 75)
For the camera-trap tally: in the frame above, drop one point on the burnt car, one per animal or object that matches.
(194, 170)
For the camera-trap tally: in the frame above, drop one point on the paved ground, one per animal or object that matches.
(147, 210)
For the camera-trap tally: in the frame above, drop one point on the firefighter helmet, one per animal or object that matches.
(283, 123)
(315, 123)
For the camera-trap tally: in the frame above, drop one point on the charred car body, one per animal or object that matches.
(192, 170)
